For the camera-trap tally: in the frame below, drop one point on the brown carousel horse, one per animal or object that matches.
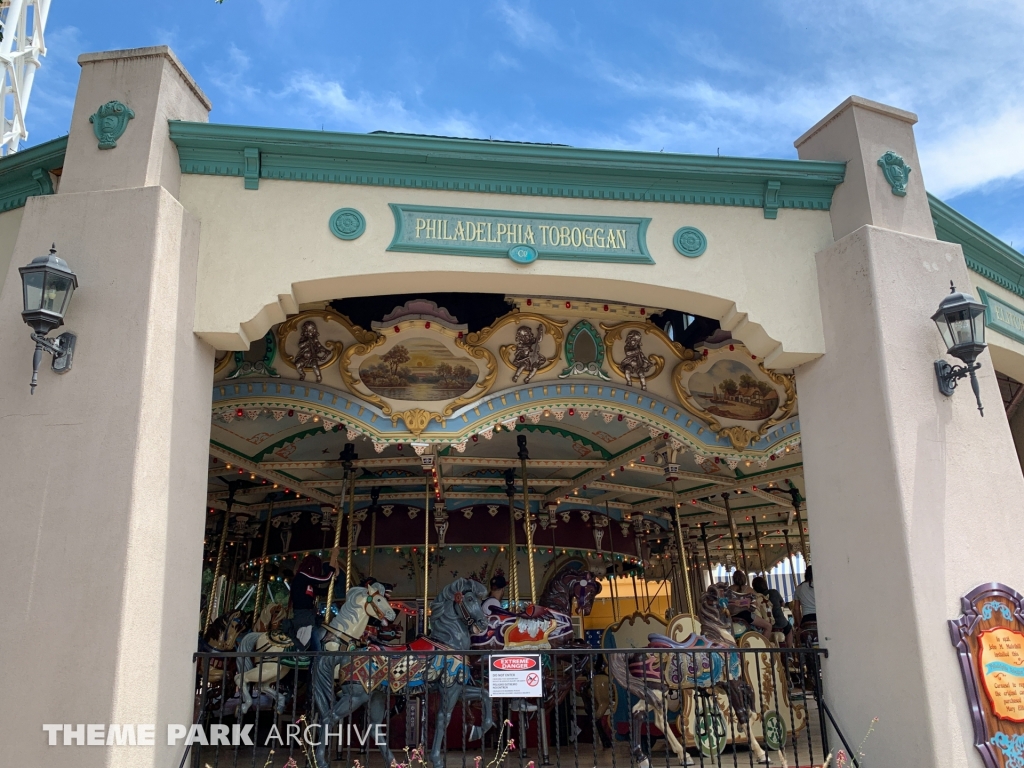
(221, 637)
(656, 679)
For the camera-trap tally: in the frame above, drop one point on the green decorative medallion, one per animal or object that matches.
(774, 730)
(897, 172)
(477, 232)
(690, 242)
(584, 351)
(109, 123)
(347, 223)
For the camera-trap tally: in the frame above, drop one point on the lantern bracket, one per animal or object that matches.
(948, 375)
(61, 348)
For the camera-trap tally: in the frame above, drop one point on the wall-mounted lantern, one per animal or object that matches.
(48, 283)
(961, 322)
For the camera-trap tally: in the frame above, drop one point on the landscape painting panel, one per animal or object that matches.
(732, 390)
(419, 369)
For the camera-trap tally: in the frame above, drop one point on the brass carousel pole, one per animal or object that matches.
(524, 454)
(732, 523)
(743, 554)
(374, 497)
(513, 565)
(612, 576)
(350, 530)
(426, 553)
(757, 545)
(263, 560)
(220, 555)
(347, 457)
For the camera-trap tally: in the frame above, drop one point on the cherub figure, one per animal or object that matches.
(526, 355)
(635, 363)
(311, 352)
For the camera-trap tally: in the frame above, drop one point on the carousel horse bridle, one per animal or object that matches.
(468, 620)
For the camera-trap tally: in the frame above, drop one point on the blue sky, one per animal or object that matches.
(742, 78)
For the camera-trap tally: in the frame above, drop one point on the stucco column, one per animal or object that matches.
(102, 521)
(917, 498)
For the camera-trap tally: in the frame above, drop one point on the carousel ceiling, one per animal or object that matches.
(610, 406)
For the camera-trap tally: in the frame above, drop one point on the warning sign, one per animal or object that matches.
(515, 677)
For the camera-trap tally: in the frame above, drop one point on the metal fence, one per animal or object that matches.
(606, 707)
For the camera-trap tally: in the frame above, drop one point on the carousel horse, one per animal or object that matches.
(220, 637)
(361, 603)
(372, 679)
(547, 625)
(655, 678)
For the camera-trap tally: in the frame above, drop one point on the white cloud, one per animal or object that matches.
(529, 30)
(365, 112)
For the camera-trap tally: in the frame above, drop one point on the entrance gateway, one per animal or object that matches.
(707, 313)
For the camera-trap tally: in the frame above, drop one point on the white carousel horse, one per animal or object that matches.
(653, 677)
(370, 678)
(360, 604)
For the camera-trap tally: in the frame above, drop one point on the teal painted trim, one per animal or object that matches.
(498, 250)
(252, 167)
(347, 223)
(1002, 317)
(690, 242)
(985, 253)
(771, 199)
(26, 173)
(469, 165)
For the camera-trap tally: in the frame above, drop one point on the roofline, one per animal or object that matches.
(26, 173)
(500, 167)
(985, 253)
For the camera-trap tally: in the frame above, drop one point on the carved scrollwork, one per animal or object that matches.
(416, 419)
(552, 330)
(294, 324)
(687, 357)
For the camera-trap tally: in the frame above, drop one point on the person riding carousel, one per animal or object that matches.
(780, 623)
(492, 604)
(744, 610)
(311, 581)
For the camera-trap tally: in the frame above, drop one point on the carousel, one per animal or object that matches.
(601, 461)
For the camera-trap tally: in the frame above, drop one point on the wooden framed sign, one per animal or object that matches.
(989, 639)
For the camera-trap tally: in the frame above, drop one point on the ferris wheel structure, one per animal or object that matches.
(22, 23)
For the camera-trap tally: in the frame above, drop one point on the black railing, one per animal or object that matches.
(607, 707)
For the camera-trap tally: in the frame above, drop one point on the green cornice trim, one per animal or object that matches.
(985, 253)
(26, 173)
(467, 165)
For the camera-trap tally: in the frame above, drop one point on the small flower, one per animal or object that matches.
(530, 765)
(511, 743)
(291, 763)
(476, 761)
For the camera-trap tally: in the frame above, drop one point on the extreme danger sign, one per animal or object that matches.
(516, 676)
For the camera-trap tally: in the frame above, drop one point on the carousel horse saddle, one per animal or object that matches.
(399, 672)
(277, 642)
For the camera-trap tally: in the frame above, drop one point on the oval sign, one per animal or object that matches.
(515, 663)
(522, 254)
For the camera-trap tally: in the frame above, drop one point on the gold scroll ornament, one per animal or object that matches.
(686, 357)
(292, 325)
(551, 328)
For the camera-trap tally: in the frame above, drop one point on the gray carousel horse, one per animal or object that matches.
(361, 604)
(371, 679)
